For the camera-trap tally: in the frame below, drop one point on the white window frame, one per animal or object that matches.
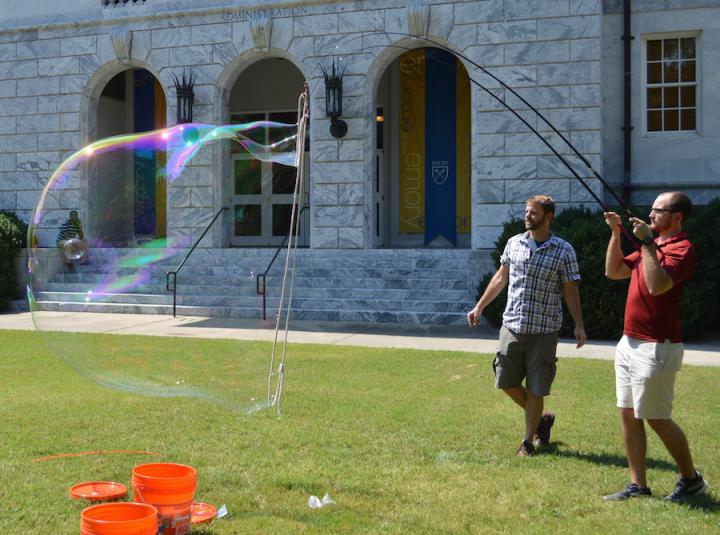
(266, 198)
(644, 38)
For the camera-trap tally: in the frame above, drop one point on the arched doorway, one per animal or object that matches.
(127, 189)
(261, 192)
(422, 178)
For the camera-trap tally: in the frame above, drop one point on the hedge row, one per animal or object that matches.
(603, 300)
(12, 239)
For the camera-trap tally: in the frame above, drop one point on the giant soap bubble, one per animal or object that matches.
(118, 185)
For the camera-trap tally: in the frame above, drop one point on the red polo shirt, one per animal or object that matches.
(656, 318)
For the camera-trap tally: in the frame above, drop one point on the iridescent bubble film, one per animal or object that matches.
(122, 189)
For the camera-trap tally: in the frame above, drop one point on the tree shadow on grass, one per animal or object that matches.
(607, 459)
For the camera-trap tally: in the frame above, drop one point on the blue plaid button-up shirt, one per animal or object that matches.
(534, 304)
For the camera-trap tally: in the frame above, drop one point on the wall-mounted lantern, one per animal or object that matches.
(185, 96)
(333, 99)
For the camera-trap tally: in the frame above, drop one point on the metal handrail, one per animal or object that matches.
(175, 271)
(263, 276)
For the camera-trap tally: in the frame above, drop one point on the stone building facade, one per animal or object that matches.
(60, 63)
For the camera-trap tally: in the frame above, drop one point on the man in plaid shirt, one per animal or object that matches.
(540, 268)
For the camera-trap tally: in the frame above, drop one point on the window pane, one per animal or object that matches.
(688, 71)
(281, 214)
(654, 97)
(687, 96)
(688, 119)
(670, 71)
(671, 120)
(277, 133)
(283, 178)
(670, 49)
(654, 121)
(248, 174)
(670, 97)
(654, 50)
(654, 73)
(687, 48)
(248, 220)
(256, 134)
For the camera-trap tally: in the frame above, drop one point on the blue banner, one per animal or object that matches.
(440, 146)
(144, 165)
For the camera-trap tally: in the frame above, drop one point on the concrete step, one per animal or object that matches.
(327, 304)
(404, 317)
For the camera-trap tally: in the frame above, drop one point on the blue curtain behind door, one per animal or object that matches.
(440, 145)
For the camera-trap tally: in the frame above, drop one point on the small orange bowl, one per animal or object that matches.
(98, 491)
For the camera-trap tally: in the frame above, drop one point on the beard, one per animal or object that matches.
(529, 225)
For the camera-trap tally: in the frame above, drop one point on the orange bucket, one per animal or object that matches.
(121, 518)
(170, 488)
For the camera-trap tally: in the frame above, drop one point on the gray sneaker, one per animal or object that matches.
(687, 488)
(633, 490)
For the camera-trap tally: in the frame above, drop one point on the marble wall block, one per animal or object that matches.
(519, 167)
(531, 9)
(464, 36)
(361, 21)
(18, 106)
(490, 191)
(178, 197)
(202, 197)
(59, 141)
(569, 28)
(8, 125)
(19, 143)
(200, 55)
(506, 32)
(18, 69)
(537, 52)
(351, 194)
(38, 86)
(326, 151)
(39, 123)
(585, 49)
(8, 200)
(586, 7)
(59, 66)
(78, 46)
(8, 52)
(338, 216)
(323, 238)
(211, 33)
(8, 88)
(351, 238)
(315, 25)
(441, 20)
(519, 191)
(351, 150)
(171, 37)
(325, 194)
(47, 48)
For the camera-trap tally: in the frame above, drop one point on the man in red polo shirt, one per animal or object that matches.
(650, 352)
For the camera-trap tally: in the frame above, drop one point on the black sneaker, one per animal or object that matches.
(526, 449)
(633, 490)
(687, 488)
(543, 430)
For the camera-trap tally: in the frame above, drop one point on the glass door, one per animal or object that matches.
(262, 192)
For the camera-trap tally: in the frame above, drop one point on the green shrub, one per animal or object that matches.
(12, 238)
(603, 300)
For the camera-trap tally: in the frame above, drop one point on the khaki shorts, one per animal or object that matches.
(526, 356)
(645, 376)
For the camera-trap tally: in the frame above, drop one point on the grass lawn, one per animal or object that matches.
(404, 441)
